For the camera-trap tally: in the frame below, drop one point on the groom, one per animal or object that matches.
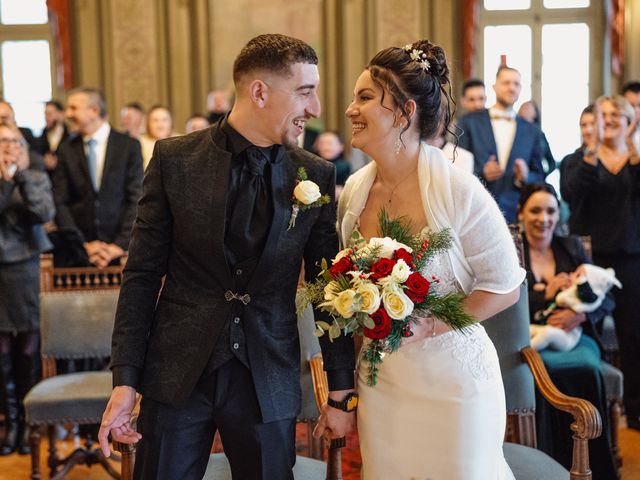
(215, 348)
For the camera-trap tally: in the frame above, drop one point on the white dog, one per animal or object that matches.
(583, 296)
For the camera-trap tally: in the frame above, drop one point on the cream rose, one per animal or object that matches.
(369, 297)
(331, 290)
(401, 271)
(341, 254)
(307, 192)
(387, 246)
(344, 303)
(397, 304)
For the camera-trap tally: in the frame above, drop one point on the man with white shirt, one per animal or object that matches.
(98, 179)
(631, 92)
(506, 148)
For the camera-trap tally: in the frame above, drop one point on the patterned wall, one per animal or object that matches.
(134, 52)
(397, 22)
(235, 23)
(174, 51)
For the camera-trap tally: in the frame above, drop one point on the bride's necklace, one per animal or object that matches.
(393, 190)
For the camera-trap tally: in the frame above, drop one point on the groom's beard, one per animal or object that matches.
(287, 142)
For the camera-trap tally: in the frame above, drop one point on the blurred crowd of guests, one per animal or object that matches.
(74, 189)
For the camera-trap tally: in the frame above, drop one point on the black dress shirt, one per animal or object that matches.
(242, 259)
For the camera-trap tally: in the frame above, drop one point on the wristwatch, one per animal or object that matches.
(349, 404)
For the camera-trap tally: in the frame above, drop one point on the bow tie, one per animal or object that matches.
(502, 115)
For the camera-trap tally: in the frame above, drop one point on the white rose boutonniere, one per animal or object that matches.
(306, 195)
(307, 192)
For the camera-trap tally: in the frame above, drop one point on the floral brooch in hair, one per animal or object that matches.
(417, 56)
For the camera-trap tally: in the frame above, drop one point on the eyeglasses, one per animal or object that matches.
(11, 141)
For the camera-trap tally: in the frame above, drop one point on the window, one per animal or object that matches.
(26, 59)
(566, 3)
(23, 12)
(507, 4)
(553, 45)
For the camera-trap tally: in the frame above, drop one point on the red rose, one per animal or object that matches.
(403, 254)
(417, 287)
(382, 268)
(341, 266)
(383, 325)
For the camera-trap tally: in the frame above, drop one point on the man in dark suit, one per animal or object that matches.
(98, 179)
(54, 133)
(219, 349)
(506, 148)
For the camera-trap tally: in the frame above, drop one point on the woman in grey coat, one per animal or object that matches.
(26, 203)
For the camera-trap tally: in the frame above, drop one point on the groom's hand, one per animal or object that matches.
(116, 419)
(333, 422)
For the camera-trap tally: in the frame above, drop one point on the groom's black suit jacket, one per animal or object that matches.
(162, 345)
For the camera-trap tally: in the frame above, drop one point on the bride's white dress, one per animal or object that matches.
(438, 409)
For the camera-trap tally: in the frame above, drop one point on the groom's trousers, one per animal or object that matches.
(176, 443)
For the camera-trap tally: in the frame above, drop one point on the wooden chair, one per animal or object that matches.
(58, 279)
(521, 367)
(311, 467)
(73, 325)
(77, 310)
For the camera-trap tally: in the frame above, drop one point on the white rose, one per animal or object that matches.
(387, 246)
(401, 271)
(370, 297)
(307, 192)
(397, 304)
(344, 303)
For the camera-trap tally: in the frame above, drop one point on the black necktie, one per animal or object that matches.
(251, 218)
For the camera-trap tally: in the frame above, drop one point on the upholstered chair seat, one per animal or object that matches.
(532, 464)
(304, 469)
(70, 398)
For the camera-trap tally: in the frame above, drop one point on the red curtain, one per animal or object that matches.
(59, 20)
(470, 11)
(616, 34)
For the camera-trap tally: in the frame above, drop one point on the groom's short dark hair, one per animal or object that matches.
(272, 52)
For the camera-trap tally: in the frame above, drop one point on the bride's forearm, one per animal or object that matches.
(482, 304)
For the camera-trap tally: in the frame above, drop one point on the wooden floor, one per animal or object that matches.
(17, 467)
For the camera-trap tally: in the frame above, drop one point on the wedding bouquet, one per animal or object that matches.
(373, 288)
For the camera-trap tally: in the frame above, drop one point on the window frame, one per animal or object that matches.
(537, 16)
(30, 32)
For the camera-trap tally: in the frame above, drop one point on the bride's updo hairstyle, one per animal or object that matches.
(416, 72)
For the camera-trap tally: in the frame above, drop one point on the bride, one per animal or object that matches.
(438, 409)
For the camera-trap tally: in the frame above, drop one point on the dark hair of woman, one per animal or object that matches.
(397, 72)
(532, 188)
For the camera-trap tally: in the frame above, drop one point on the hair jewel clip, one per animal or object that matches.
(417, 56)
